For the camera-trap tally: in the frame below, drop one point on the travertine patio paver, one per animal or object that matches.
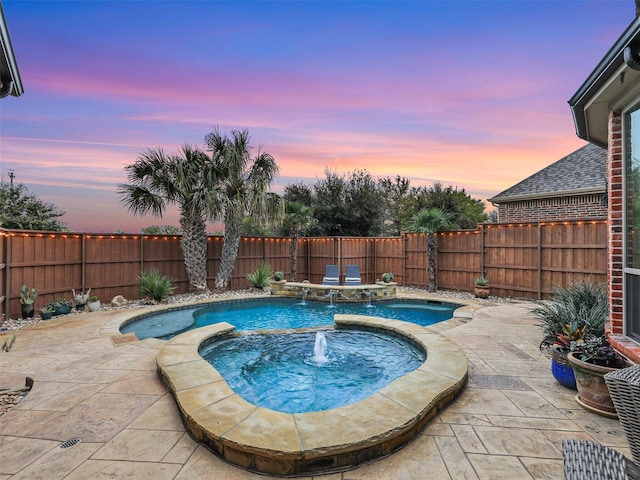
(508, 423)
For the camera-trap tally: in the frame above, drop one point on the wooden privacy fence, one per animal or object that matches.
(525, 260)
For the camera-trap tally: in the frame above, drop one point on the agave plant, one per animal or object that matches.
(152, 284)
(261, 277)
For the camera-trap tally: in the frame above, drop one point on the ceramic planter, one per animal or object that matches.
(27, 310)
(93, 306)
(593, 393)
(61, 309)
(561, 369)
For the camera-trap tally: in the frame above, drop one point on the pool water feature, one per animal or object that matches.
(281, 313)
(306, 371)
(305, 444)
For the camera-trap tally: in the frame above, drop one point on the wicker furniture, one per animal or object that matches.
(588, 460)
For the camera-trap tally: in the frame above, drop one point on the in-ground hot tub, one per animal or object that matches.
(293, 444)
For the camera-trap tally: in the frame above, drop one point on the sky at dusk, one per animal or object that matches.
(471, 94)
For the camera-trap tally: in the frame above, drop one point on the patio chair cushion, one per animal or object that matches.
(331, 275)
(352, 277)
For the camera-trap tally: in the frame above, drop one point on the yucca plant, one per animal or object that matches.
(153, 285)
(261, 277)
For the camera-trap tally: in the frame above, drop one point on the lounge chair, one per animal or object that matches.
(352, 277)
(585, 459)
(331, 275)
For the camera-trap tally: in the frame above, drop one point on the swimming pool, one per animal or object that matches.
(281, 314)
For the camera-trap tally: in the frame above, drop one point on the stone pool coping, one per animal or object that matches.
(112, 328)
(277, 443)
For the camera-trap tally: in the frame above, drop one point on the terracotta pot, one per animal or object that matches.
(593, 393)
(481, 292)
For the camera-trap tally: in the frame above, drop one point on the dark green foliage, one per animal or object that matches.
(161, 230)
(261, 277)
(21, 210)
(465, 211)
(348, 205)
(356, 205)
(153, 285)
(583, 304)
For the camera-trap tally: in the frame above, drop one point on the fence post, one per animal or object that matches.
(141, 252)
(6, 275)
(83, 262)
(539, 261)
(405, 239)
(482, 249)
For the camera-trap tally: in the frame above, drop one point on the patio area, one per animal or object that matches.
(508, 423)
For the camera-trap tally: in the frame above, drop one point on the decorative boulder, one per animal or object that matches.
(119, 301)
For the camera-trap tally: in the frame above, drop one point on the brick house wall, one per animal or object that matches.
(559, 208)
(614, 326)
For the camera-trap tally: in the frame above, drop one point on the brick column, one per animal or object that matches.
(615, 165)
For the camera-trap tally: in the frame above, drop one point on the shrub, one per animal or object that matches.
(582, 304)
(155, 286)
(387, 277)
(261, 277)
(278, 276)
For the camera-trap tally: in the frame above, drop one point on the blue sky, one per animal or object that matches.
(468, 93)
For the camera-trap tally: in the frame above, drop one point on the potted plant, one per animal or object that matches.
(278, 276)
(571, 338)
(61, 306)
(80, 298)
(27, 297)
(591, 361)
(481, 287)
(574, 314)
(93, 304)
(387, 277)
(46, 312)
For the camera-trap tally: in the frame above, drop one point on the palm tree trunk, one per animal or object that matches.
(432, 247)
(194, 249)
(230, 245)
(293, 257)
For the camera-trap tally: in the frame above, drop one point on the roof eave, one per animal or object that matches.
(537, 196)
(612, 64)
(8, 66)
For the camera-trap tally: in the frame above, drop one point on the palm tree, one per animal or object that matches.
(187, 180)
(241, 191)
(298, 220)
(429, 221)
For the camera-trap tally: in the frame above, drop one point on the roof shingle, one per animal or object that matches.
(583, 171)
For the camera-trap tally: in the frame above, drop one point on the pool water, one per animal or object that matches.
(279, 313)
(280, 372)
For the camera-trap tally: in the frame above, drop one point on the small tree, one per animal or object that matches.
(430, 221)
(298, 220)
(241, 191)
(21, 210)
(186, 180)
